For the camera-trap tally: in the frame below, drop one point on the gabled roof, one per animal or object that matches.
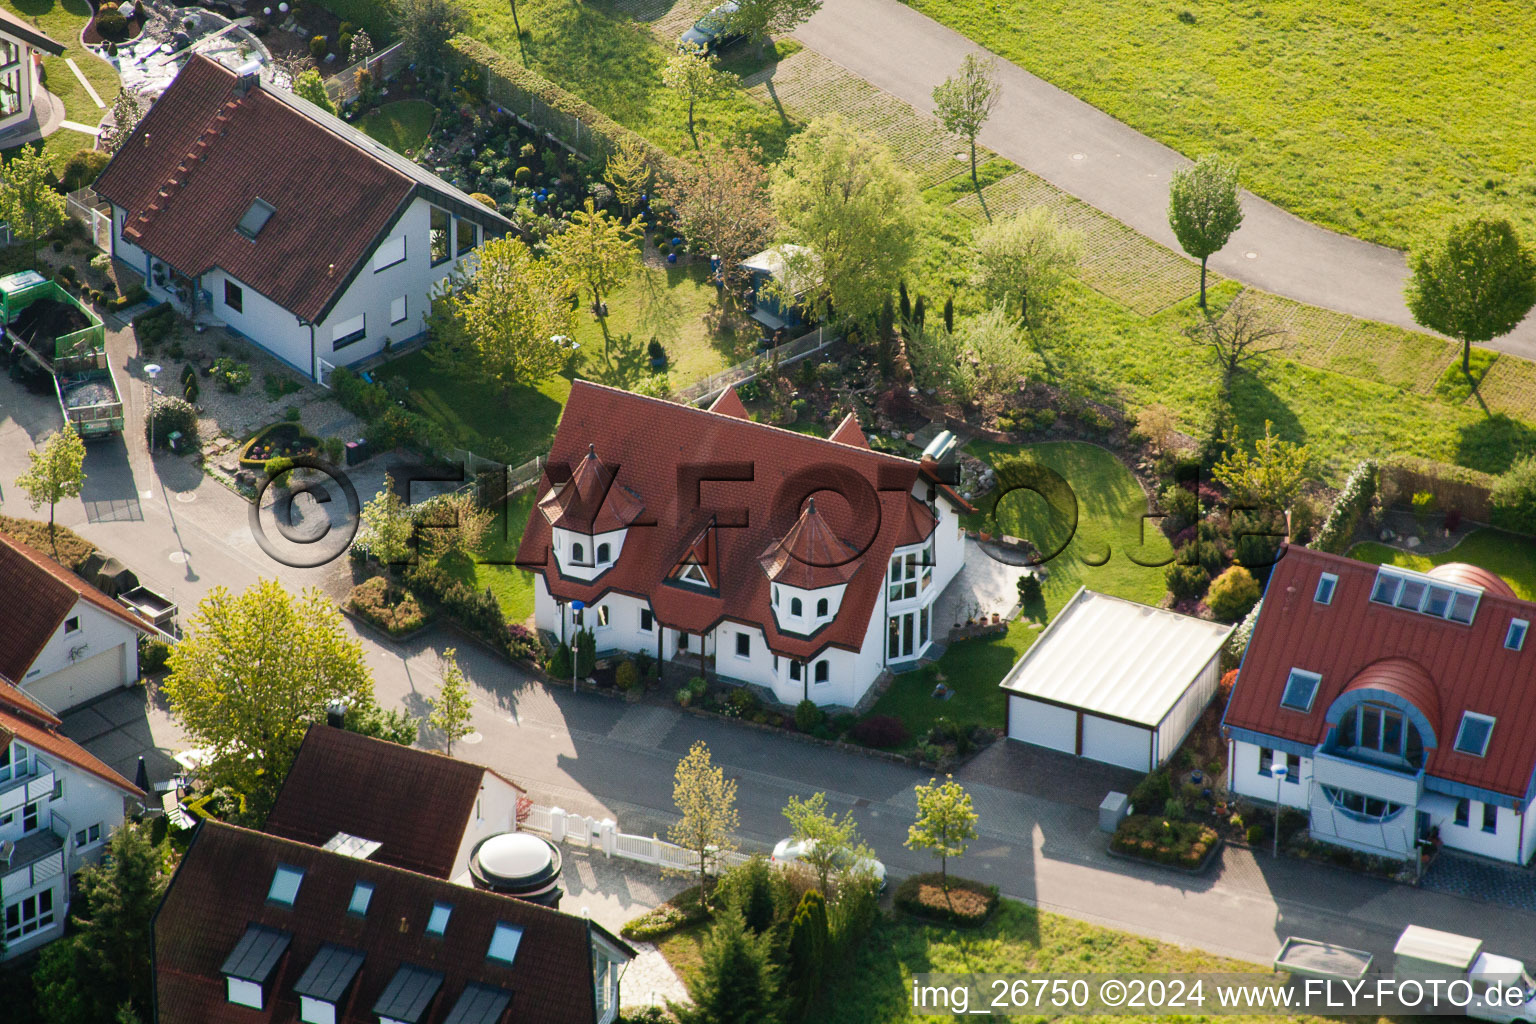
(12, 25)
(50, 591)
(729, 404)
(1116, 658)
(214, 143)
(22, 718)
(588, 502)
(687, 464)
(415, 803)
(810, 555)
(849, 432)
(220, 891)
(1355, 644)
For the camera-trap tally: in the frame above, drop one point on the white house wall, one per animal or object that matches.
(1503, 844)
(948, 541)
(495, 812)
(1247, 781)
(98, 632)
(263, 321)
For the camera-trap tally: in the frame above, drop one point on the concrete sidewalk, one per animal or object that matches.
(1111, 166)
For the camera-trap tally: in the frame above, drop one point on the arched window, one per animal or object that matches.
(795, 606)
(821, 608)
(822, 671)
(1380, 732)
(577, 553)
(602, 554)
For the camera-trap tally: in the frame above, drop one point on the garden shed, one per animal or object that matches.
(1115, 681)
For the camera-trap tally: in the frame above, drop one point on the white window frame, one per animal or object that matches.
(603, 616)
(72, 625)
(693, 572)
(402, 303)
(1514, 636)
(1473, 716)
(1325, 596)
(243, 992)
(1301, 674)
(25, 925)
(386, 252)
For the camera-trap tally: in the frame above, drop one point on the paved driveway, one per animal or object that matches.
(1084, 151)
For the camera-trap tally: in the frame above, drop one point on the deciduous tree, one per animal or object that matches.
(1237, 338)
(829, 843)
(945, 824)
(308, 86)
(1025, 259)
(706, 799)
(1474, 283)
(1204, 208)
(758, 19)
(425, 27)
(253, 671)
(54, 473)
(452, 524)
(452, 710)
(28, 202)
(508, 321)
(628, 173)
(362, 47)
(722, 202)
(598, 251)
(997, 354)
(1267, 476)
(692, 74)
(844, 197)
(87, 977)
(385, 526)
(964, 101)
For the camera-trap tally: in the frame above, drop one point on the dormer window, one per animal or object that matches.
(693, 572)
(250, 965)
(504, 942)
(1325, 586)
(821, 608)
(1300, 690)
(323, 985)
(1416, 593)
(1381, 733)
(603, 555)
(1514, 637)
(407, 999)
(1475, 732)
(285, 885)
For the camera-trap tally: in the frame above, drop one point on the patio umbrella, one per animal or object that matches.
(141, 776)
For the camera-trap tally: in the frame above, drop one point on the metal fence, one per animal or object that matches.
(87, 207)
(800, 348)
(604, 835)
(384, 65)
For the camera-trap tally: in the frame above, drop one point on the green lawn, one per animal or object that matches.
(1376, 118)
(1511, 557)
(402, 125)
(512, 586)
(1110, 504)
(875, 987)
(677, 305)
(63, 20)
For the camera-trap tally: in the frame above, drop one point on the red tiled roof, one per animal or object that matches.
(1353, 643)
(415, 802)
(1471, 576)
(208, 149)
(220, 889)
(688, 465)
(589, 502)
(50, 591)
(12, 25)
(849, 432)
(810, 555)
(25, 720)
(729, 404)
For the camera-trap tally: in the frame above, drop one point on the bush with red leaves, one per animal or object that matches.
(883, 731)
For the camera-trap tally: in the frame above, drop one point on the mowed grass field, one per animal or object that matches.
(1376, 118)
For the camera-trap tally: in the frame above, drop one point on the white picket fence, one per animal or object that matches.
(592, 833)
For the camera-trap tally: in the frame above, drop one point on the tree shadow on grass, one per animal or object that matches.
(1254, 403)
(1491, 443)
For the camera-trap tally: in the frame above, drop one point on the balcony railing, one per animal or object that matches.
(1398, 786)
(35, 859)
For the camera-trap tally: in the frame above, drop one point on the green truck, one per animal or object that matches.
(68, 340)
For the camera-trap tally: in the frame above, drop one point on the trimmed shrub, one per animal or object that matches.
(82, 168)
(626, 676)
(1152, 791)
(560, 662)
(318, 48)
(808, 716)
(1255, 834)
(1349, 508)
(967, 903)
(170, 415)
(111, 24)
(1514, 497)
(883, 731)
(153, 654)
(1186, 582)
(387, 606)
(1233, 594)
(523, 643)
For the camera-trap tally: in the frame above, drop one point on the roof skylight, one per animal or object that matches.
(255, 218)
(285, 884)
(504, 942)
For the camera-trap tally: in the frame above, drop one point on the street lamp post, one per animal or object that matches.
(576, 606)
(1280, 772)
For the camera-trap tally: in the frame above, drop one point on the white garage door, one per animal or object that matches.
(1128, 746)
(1044, 725)
(92, 677)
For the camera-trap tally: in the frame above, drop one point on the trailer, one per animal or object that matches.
(61, 335)
(1309, 958)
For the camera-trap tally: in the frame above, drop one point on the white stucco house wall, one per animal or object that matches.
(58, 807)
(1395, 701)
(812, 568)
(248, 207)
(21, 49)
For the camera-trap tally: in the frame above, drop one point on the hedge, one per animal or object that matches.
(967, 902)
(1348, 509)
(1456, 488)
(538, 100)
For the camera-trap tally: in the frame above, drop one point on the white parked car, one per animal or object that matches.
(793, 851)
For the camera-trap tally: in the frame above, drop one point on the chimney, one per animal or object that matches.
(336, 714)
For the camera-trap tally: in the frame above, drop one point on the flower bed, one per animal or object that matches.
(966, 903)
(678, 912)
(1161, 840)
(391, 608)
(280, 440)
